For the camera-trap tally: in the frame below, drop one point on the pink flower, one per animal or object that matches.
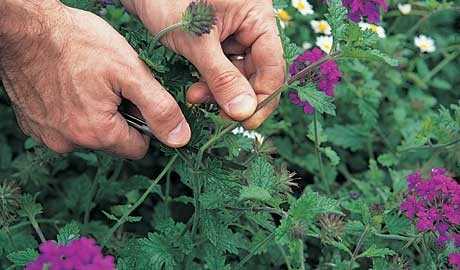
(357, 9)
(326, 78)
(434, 205)
(454, 260)
(80, 254)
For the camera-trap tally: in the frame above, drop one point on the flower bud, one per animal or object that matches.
(199, 18)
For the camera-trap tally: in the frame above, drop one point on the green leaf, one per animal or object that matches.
(255, 193)
(158, 252)
(261, 173)
(368, 54)
(21, 258)
(353, 137)
(68, 233)
(388, 159)
(29, 208)
(374, 251)
(321, 135)
(321, 102)
(331, 155)
(336, 17)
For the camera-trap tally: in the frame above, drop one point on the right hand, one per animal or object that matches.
(66, 73)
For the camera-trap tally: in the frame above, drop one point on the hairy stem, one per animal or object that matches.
(141, 200)
(165, 31)
(358, 247)
(318, 149)
(254, 250)
(37, 229)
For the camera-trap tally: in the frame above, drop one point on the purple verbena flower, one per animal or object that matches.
(434, 205)
(326, 77)
(454, 260)
(80, 254)
(106, 2)
(357, 9)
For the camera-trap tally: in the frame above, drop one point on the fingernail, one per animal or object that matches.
(242, 106)
(179, 135)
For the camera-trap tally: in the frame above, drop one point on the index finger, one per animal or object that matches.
(269, 64)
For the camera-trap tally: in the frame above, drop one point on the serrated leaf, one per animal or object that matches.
(21, 258)
(368, 54)
(374, 251)
(320, 101)
(68, 233)
(158, 252)
(29, 208)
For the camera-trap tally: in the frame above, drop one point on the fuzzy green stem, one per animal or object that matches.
(440, 66)
(141, 200)
(196, 197)
(393, 237)
(301, 255)
(318, 149)
(253, 251)
(259, 209)
(358, 247)
(37, 229)
(39, 221)
(431, 147)
(165, 31)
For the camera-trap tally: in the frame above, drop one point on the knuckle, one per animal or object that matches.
(166, 109)
(225, 81)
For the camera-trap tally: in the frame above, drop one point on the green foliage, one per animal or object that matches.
(318, 192)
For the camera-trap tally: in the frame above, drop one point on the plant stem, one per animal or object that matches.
(144, 196)
(165, 31)
(255, 249)
(259, 209)
(39, 221)
(431, 147)
(301, 255)
(358, 247)
(37, 229)
(196, 197)
(318, 149)
(393, 237)
(440, 66)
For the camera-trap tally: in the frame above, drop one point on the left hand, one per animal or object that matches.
(242, 27)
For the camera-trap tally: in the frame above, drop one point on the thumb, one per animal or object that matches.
(156, 105)
(229, 87)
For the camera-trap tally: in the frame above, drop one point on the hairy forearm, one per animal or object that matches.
(23, 22)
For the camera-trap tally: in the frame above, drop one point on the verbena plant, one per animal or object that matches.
(319, 191)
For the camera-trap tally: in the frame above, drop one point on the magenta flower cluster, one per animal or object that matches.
(434, 205)
(326, 77)
(357, 9)
(454, 260)
(80, 254)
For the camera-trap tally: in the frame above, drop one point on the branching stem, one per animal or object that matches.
(141, 200)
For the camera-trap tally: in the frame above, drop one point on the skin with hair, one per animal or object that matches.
(66, 72)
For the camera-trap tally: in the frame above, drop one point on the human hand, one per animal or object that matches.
(242, 27)
(66, 72)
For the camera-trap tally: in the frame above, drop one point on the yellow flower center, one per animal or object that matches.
(323, 26)
(283, 15)
(300, 5)
(374, 28)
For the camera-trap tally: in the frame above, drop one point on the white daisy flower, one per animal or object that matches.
(259, 138)
(425, 44)
(283, 16)
(373, 28)
(405, 8)
(303, 6)
(325, 43)
(306, 45)
(322, 27)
